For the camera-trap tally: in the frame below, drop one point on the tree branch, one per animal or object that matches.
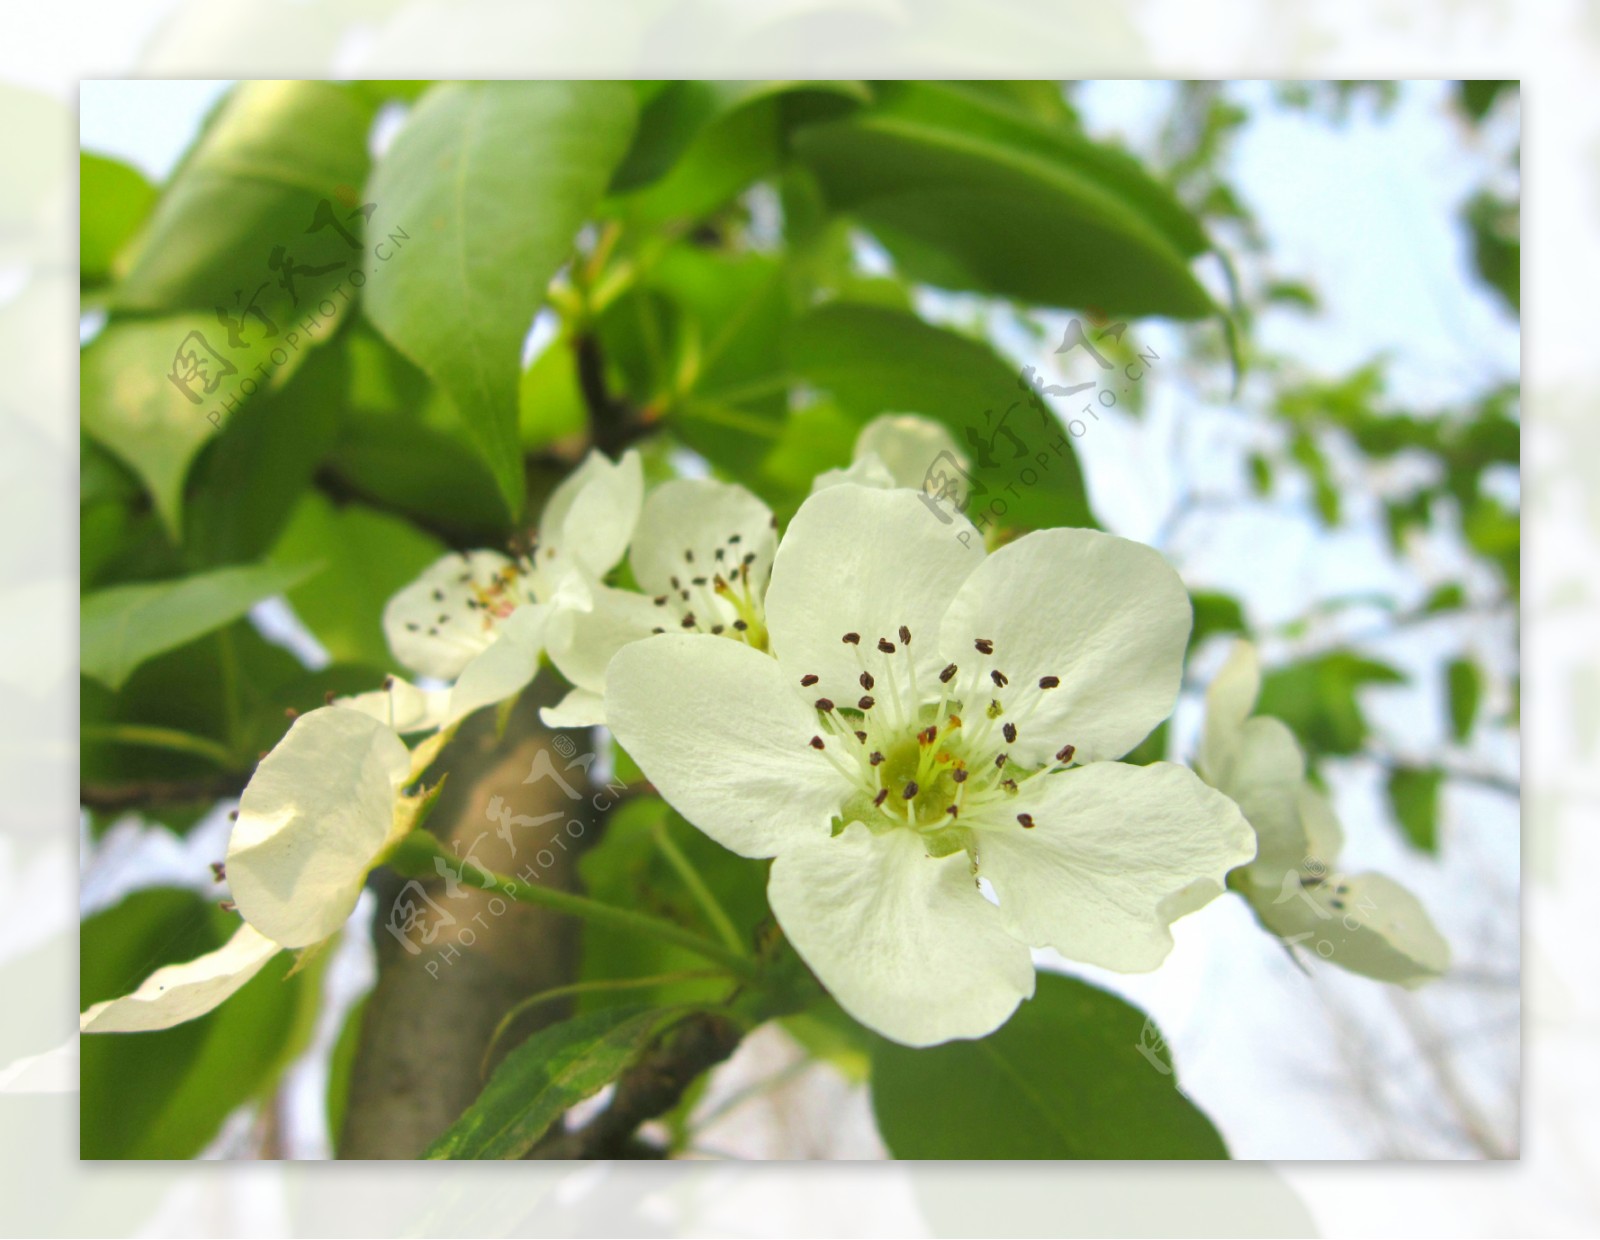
(649, 1089)
(143, 793)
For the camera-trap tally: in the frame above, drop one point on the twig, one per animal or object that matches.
(137, 794)
(651, 1088)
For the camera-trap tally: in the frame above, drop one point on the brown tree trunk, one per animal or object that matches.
(431, 1015)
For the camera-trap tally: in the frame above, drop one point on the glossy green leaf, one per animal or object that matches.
(490, 183)
(366, 556)
(250, 190)
(1317, 699)
(555, 1069)
(164, 1094)
(124, 626)
(969, 193)
(874, 360)
(114, 200)
(1465, 687)
(1076, 1073)
(1414, 794)
(154, 391)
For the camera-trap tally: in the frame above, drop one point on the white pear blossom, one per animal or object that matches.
(482, 619)
(701, 555)
(324, 807)
(929, 719)
(1366, 923)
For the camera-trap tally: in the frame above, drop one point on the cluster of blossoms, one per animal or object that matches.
(924, 737)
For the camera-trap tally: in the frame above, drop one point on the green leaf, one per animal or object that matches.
(1076, 1073)
(164, 1094)
(269, 155)
(969, 193)
(114, 199)
(341, 1064)
(1317, 699)
(1214, 613)
(138, 399)
(1414, 794)
(367, 557)
(490, 182)
(1465, 686)
(122, 627)
(877, 360)
(555, 1069)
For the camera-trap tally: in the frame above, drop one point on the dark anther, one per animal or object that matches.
(438, 596)
(866, 680)
(1000, 759)
(716, 628)
(218, 871)
(984, 645)
(735, 538)
(852, 639)
(721, 552)
(388, 682)
(999, 679)
(948, 673)
(412, 628)
(862, 737)
(824, 705)
(689, 555)
(816, 742)
(875, 758)
(653, 632)
(740, 625)
(910, 790)
(905, 636)
(1064, 754)
(928, 735)
(327, 698)
(959, 774)
(952, 811)
(808, 680)
(1025, 819)
(885, 645)
(676, 584)
(697, 581)
(1049, 682)
(689, 620)
(867, 702)
(1010, 731)
(883, 795)
(289, 712)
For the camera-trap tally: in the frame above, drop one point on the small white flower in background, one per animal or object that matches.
(929, 717)
(904, 450)
(321, 810)
(482, 619)
(701, 555)
(1366, 923)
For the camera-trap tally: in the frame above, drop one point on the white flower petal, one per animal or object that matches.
(864, 471)
(856, 560)
(312, 820)
(582, 644)
(402, 706)
(1108, 617)
(905, 942)
(1324, 836)
(1230, 698)
(1265, 777)
(590, 516)
(505, 667)
(908, 446)
(1366, 923)
(1112, 858)
(180, 992)
(581, 708)
(717, 728)
(715, 523)
(430, 626)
